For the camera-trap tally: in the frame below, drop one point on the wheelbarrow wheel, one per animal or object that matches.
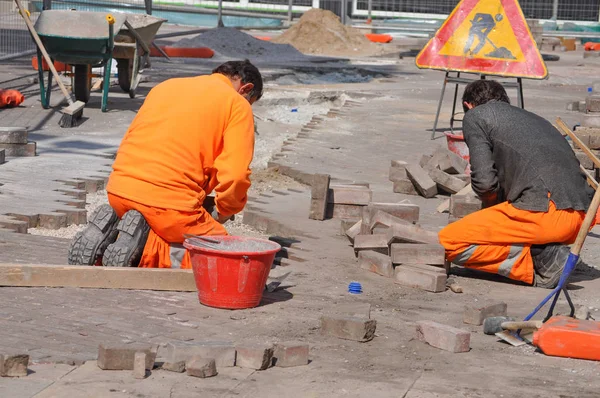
(125, 69)
(82, 83)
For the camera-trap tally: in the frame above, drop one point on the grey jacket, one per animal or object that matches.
(521, 157)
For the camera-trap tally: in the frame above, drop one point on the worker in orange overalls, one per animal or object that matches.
(533, 192)
(191, 136)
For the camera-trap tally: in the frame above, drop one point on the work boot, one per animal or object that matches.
(89, 245)
(549, 265)
(127, 250)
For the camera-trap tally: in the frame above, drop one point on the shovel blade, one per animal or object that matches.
(511, 338)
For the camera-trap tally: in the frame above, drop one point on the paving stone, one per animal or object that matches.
(420, 278)
(254, 356)
(2, 156)
(424, 160)
(584, 160)
(447, 161)
(19, 150)
(378, 243)
(347, 328)
(52, 220)
(13, 135)
(445, 182)
(289, 354)
(346, 224)
(411, 253)
(139, 365)
(319, 193)
(398, 170)
(405, 186)
(343, 211)
(178, 367)
(376, 262)
(14, 365)
(421, 180)
(403, 211)
(201, 367)
(408, 233)
(222, 351)
(573, 106)
(349, 195)
(353, 231)
(463, 205)
(474, 314)
(592, 104)
(444, 337)
(121, 356)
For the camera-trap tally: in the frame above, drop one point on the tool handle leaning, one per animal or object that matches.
(38, 41)
(521, 325)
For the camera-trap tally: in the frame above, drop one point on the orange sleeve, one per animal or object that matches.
(233, 163)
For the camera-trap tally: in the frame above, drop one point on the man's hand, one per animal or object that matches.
(220, 218)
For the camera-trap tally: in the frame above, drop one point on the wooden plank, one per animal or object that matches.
(44, 275)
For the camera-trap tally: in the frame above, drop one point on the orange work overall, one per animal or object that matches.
(498, 239)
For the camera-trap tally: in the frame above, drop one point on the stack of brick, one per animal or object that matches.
(441, 172)
(463, 204)
(14, 142)
(388, 242)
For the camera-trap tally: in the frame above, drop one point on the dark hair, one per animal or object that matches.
(483, 91)
(247, 73)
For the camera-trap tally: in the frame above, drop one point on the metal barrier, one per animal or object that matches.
(15, 40)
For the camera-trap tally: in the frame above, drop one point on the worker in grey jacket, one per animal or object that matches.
(533, 192)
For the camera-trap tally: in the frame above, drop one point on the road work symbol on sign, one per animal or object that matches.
(485, 36)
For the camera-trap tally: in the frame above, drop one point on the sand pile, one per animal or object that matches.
(321, 32)
(234, 44)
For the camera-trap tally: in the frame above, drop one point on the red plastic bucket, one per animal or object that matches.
(457, 144)
(230, 278)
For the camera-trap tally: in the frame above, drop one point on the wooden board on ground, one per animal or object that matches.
(43, 275)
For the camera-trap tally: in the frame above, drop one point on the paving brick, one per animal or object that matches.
(349, 195)
(445, 182)
(463, 205)
(421, 180)
(404, 186)
(2, 156)
(411, 253)
(378, 243)
(592, 104)
(13, 135)
(424, 160)
(475, 314)
(348, 328)
(139, 365)
(430, 281)
(178, 367)
(319, 193)
(254, 356)
(403, 211)
(447, 161)
(343, 211)
(353, 231)
(398, 170)
(573, 106)
(14, 365)
(590, 136)
(19, 150)
(346, 224)
(290, 354)
(584, 160)
(52, 220)
(121, 356)
(223, 352)
(444, 337)
(464, 177)
(408, 233)
(376, 262)
(201, 367)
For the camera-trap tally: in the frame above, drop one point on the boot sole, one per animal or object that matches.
(89, 245)
(127, 250)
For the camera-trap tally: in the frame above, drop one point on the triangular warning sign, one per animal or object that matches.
(485, 36)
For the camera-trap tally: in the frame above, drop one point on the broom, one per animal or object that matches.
(73, 112)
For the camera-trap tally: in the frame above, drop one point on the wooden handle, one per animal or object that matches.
(591, 180)
(521, 325)
(38, 41)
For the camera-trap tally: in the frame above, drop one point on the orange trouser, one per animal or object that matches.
(163, 248)
(498, 239)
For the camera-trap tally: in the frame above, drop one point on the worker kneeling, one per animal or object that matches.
(191, 136)
(534, 194)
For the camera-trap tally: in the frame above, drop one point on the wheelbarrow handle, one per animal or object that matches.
(137, 37)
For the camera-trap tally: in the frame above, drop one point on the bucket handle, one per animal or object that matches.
(243, 273)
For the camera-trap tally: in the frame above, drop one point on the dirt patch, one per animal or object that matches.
(321, 32)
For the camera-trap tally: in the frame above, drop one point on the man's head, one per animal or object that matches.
(245, 77)
(481, 92)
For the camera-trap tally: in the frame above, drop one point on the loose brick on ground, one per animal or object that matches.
(392, 213)
(344, 211)
(378, 243)
(222, 351)
(376, 262)
(2, 156)
(408, 233)
(404, 186)
(254, 356)
(398, 170)
(13, 365)
(349, 195)
(319, 193)
(444, 337)
(346, 224)
(424, 160)
(201, 367)
(290, 354)
(476, 313)
(347, 328)
(13, 135)
(421, 180)
(121, 356)
(431, 281)
(139, 365)
(445, 182)
(28, 149)
(353, 231)
(410, 253)
(447, 161)
(592, 104)
(463, 205)
(584, 160)
(178, 367)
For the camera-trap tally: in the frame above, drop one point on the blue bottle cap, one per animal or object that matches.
(354, 288)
